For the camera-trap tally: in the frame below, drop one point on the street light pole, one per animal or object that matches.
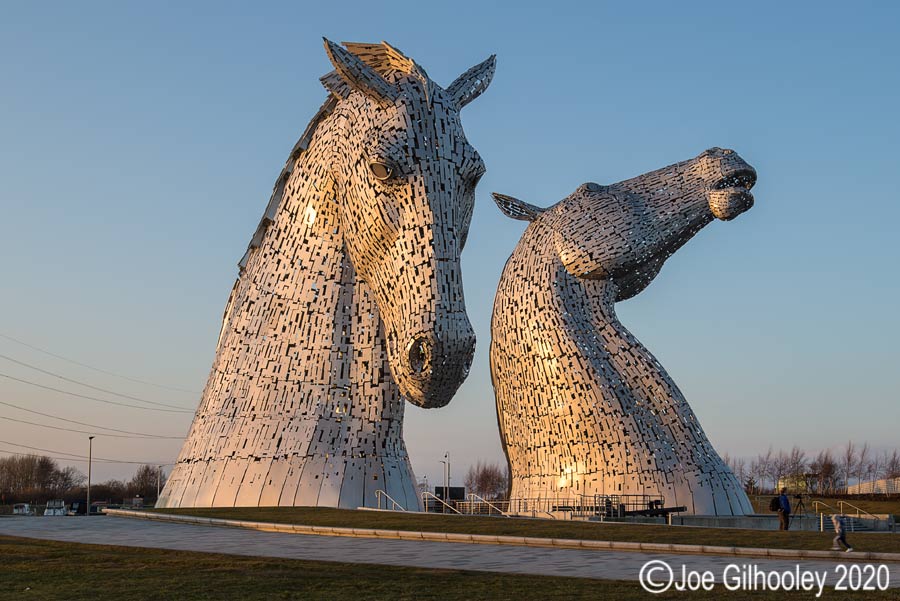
(447, 477)
(90, 453)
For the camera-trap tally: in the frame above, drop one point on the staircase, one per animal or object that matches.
(851, 524)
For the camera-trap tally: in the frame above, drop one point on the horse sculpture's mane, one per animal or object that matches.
(388, 62)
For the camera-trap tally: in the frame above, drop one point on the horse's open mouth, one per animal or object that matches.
(742, 178)
(730, 196)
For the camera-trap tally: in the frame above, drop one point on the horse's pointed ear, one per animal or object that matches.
(473, 82)
(359, 75)
(515, 208)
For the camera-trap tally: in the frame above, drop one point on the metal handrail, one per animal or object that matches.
(840, 511)
(858, 510)
(481, 499)
(394, 504)
(816, 507)
(426, 495)
(822, 513)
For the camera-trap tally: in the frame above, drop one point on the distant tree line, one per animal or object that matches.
(37, 479)
(825, 473)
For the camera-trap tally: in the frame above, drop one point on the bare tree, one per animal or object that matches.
(778, 467)
(66, 479)
(824, 473)
(862, 463)
(892, 466)
(487, 480)
(797, 465)
(876, 466)
(751, 486)
(754, 478)
(45, 471)
(143, 483)
(849, 462)
(764, 466)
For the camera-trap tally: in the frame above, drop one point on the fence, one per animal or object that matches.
(552, 505)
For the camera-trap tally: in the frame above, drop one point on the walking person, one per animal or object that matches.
(840, 533)
(784, 510)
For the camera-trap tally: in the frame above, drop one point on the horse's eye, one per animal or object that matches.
(381, 170)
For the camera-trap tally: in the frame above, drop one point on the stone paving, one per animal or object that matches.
(617, 565)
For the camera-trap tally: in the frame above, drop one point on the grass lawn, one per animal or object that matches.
(47, 570)
(728, 537)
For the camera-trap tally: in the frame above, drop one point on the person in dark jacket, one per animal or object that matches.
(784, 512)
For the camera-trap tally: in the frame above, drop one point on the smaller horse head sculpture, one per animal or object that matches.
(405, 178)
(583, 406)
(624, 232)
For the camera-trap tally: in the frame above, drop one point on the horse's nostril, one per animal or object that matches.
(419, 355)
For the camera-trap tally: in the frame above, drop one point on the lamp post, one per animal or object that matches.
(90, 453)
(446, 463)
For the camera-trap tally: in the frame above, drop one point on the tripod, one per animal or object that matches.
(798, 508)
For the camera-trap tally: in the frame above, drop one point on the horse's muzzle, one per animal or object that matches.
(436, 363)
(731, 196)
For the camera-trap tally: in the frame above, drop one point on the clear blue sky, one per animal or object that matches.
(140, 143)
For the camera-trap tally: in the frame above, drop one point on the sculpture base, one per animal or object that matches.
(319, 481)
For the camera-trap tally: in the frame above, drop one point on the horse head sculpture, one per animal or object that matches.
(405, 176)
(583, 407)
(624, 232)
(349, 299)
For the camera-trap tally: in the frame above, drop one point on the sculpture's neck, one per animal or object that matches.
(587, 306)
(586, 300)
(302, 263)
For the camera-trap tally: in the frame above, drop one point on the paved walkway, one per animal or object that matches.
(618, 565)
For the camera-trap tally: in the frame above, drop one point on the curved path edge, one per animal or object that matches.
(522, 541)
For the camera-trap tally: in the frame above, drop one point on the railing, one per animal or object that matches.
(533, 507)
(603, 506)
(821, 514)
(823, 504)
(851, 522)
(427, 495)
(480, 502)
(379, 494)
(553, 506)
(858, 510)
